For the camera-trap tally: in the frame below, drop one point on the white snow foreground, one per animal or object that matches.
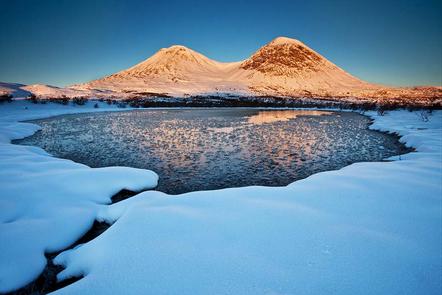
(48, 203)
(370, 228)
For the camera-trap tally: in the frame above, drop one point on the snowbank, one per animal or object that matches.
(370, 228)
(47, 203)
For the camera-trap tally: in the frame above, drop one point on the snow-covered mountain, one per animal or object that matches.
(289, 66)
(283, 67)
(283, 64)
(176, 70)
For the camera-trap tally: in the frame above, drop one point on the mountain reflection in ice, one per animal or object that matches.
(264, 117)
(199, 149)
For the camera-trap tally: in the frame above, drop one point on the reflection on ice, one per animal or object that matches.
(200, 149)
(264, 117)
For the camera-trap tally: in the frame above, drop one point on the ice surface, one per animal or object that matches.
(202, 149)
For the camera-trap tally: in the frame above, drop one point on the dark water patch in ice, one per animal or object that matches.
(123, 195)
(202, 149)
(47, 280)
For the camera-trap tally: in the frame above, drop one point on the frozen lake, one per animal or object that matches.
(202, 149)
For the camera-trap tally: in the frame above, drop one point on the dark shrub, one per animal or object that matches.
(32, 98)
(79, 100)
(61, 100)
(381, 111)
(424, 115)
(5, 98)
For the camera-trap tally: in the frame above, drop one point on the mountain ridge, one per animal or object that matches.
(284, 67)
(283, 63)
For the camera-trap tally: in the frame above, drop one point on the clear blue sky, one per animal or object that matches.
(63, 42)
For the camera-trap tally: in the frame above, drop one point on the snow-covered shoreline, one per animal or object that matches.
(48, 203)
(368, 228)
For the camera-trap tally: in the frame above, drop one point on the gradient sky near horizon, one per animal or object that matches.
(62, 42)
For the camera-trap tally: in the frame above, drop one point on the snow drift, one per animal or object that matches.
(48, 203)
